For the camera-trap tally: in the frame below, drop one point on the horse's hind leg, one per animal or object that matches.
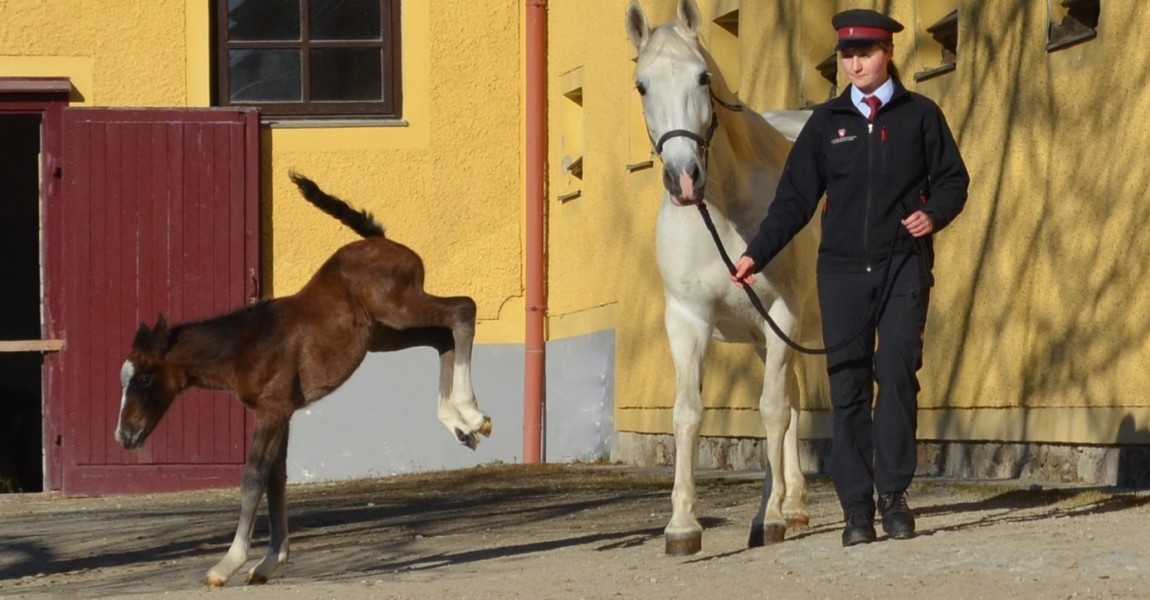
(270, 436)
(688, 335)
(277, 519)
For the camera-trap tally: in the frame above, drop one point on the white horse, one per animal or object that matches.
(729, 159)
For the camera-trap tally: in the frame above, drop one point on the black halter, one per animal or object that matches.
(704, 141)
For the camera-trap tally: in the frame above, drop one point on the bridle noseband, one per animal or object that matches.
(704, 141)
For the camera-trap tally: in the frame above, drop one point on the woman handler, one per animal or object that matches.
(892, 175)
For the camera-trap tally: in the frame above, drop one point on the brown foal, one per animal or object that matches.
(283, 354)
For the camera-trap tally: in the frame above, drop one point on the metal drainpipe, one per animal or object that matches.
(534, 385)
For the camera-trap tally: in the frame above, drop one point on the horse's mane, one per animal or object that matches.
(751, 136)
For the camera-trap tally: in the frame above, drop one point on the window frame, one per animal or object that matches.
(390, 106)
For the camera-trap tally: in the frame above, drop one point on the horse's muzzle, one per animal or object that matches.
(685, 185)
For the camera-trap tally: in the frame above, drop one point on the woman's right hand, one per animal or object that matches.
(744, 274)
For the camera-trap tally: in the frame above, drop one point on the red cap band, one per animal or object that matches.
(864, 33)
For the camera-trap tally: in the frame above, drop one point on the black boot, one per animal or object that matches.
(897, 521)
(859, 530)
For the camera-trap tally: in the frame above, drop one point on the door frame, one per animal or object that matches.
(46, 97)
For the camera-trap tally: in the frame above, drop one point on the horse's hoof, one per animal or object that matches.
(214, 581)
(684, 544)
(485, 429)
(766, 535)
(798, 521)
(256, 579)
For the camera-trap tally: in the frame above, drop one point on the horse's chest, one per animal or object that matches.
(688, 259)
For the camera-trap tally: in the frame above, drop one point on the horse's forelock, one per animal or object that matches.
(671, 41)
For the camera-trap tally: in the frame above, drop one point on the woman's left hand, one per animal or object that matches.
(918, 224)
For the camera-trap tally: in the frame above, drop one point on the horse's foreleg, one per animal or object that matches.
(269, 436)
(277, 518)
(779, 420)
(688, 336)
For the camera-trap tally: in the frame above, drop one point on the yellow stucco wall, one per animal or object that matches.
(447, 180)
(1040, 317)
(1038, 325)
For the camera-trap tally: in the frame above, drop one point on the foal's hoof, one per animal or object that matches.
(485, 429)
(471, 440)
(254, 579)
(214, 581)
(765, 535)
(684, 544)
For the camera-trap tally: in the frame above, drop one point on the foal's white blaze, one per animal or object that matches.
(126, 373)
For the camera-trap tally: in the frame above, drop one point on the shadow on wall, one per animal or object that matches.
(1057, 229)
(1133, 456)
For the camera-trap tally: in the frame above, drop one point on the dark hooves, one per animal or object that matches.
(469, 440)
(684, 544)
(766, 535)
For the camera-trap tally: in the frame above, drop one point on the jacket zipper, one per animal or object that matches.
(869, 186)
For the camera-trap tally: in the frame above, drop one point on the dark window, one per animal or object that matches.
(309, 58)
(1079, 23)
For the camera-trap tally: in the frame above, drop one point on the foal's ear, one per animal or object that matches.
(689, 15)
(142, 335)
(637, 28)
(155, 339)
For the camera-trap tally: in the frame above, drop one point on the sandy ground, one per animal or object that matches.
(578, 532)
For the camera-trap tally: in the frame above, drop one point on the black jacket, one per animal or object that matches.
(872, 179)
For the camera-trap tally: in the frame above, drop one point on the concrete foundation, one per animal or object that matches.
(1126, 466)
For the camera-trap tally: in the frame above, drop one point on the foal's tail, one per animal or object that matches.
(360, 221)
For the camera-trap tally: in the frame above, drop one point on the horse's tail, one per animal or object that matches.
(360, 221)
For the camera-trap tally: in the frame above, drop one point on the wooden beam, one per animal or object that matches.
(31, 345)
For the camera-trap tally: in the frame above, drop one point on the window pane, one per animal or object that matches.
(346, 74)
(344, 20)
(264, 76)
(254, 20)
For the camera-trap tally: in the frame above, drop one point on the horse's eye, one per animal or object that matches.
(704, 78)
(642, 88)
(144, 381)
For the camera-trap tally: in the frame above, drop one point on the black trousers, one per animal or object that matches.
(874, 445)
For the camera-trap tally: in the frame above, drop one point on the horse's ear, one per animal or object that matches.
(689, 15)
(637, 28)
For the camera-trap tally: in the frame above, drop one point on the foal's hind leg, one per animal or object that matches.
(425, 320)
(458, 410)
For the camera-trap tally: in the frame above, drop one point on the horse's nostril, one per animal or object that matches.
(696, 172)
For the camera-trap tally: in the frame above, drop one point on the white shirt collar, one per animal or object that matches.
(884, 92)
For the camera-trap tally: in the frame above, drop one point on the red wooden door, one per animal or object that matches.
(157, 211)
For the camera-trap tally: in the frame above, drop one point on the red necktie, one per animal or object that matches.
(873, 102)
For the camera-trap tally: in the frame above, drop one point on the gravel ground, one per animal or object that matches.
(570, 531)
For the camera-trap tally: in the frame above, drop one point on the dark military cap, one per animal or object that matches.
(860, 27)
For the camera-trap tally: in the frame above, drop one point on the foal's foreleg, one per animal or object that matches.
(277, 518)
(270, 437)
